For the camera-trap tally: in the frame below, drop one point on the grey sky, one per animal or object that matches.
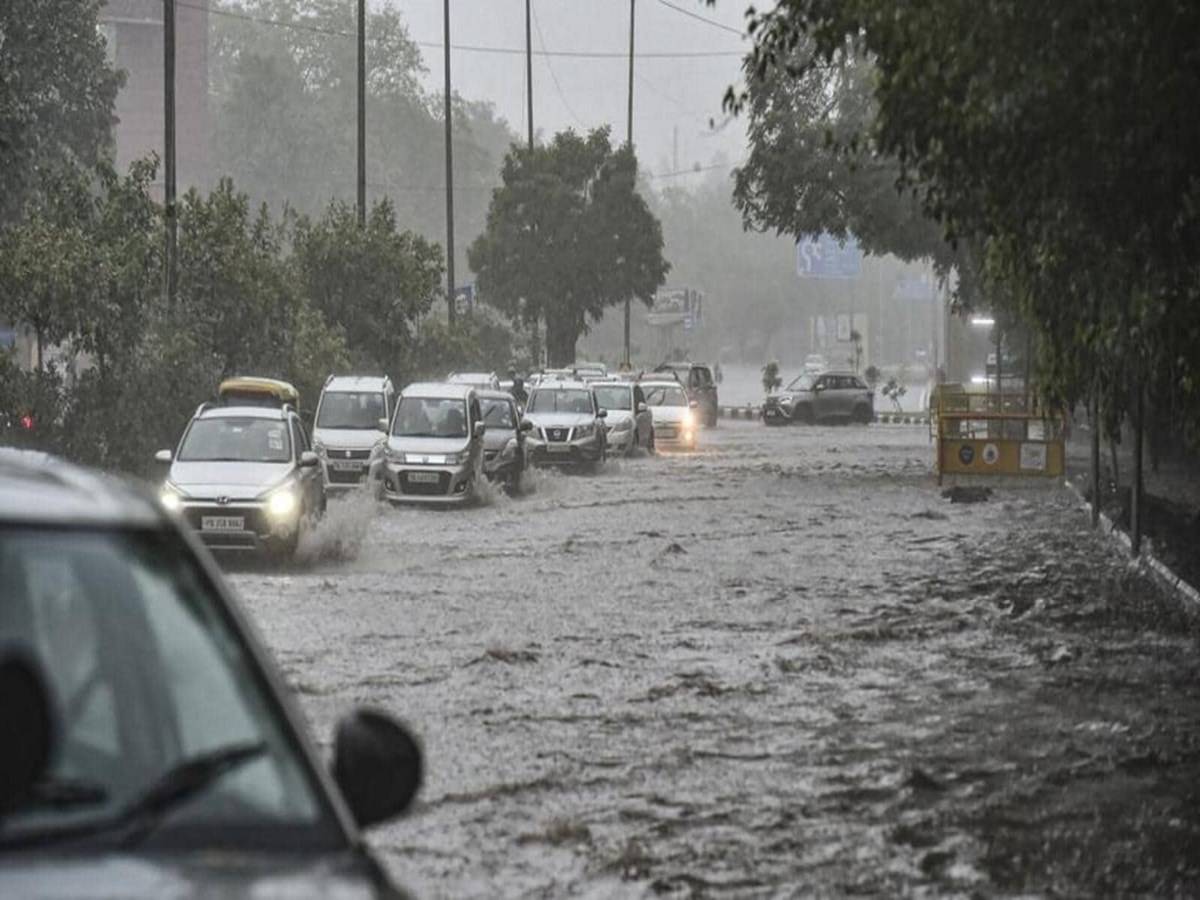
(577, 92)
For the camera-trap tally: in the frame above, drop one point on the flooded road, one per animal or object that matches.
(781, 666)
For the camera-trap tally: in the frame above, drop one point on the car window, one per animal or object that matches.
(146, 673)
(236, 439)
(351, 409)
(704, 376)
(666, 395)
(441, 417)
(616, 396)
(803, 383)
(498, 414)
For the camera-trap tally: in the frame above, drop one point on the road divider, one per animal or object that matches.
(890, 418)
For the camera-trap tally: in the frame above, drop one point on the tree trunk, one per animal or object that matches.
(1136, 492)
(561, 336)
(1116, 469)
(1094, 408)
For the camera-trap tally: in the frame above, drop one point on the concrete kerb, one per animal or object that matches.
(755, 412)
(1159, 570)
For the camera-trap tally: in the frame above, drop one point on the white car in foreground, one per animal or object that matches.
(675, 421)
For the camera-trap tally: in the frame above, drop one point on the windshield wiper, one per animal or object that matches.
(65, 793)
(170, 791)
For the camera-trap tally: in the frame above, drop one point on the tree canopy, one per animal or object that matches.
(567, 236)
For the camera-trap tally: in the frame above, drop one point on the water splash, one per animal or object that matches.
(339, 535)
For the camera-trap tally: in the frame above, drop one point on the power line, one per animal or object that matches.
(473, 48)
(553, 77)
(692, 171)
(699, 18)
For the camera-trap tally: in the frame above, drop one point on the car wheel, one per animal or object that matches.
(803, 413)
(650, 448)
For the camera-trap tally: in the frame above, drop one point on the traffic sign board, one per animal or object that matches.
(827, 257)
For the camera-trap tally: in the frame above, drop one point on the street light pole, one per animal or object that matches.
(529, 70)
(362, 112)
(450, 283)
(171, 256)
(629, 142)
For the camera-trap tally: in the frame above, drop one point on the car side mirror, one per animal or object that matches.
(479, 430)
(602, 414)
(28, 710)
(164, 456)
(817, 388)
(308, 459)
(526, 425)
(381, 425)
(642, 407)
(377, 766)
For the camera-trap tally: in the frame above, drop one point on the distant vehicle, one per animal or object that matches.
(485, 381)
(504, 455)
(590, 371)
(253, 391)
(158, 750)
(697, 378)
(815, 364)
(568, 425)
(347, 425)
(245, 478)
(839, 396)
(434, 449)
(674, 414)
(629, 422)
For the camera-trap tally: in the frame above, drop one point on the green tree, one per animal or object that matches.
(56, 93)
(373, 284)
(567, 236)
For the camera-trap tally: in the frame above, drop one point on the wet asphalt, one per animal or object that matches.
(780, 666)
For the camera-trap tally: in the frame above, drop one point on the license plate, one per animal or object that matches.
(222, 523)
(422, 477)
(559, 448)
(345, 465)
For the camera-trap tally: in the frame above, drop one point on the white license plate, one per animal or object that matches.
(222, 523)
(423, 477)
(559, 448)
(345, 465)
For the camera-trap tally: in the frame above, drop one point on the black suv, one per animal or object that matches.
(151, 747)
(697, 379)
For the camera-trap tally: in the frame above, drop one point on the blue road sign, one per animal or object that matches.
(825, 257)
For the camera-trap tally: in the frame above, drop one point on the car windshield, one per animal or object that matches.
(433, 417)
(147, 673)
(803, 383)
(561, 401)
(615, 397)
(666, 395)
(358, 410)
(237, 439)
(498, 414)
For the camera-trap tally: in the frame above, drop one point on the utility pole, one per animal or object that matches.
(629, 141)
(169, 149)
(362, 112)
(529, 70)
(450, 283)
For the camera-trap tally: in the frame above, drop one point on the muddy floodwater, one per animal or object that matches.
(780, 666)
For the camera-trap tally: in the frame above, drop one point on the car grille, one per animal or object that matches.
(425, 488)
(667, 432)
(348, 454)
(557, 434)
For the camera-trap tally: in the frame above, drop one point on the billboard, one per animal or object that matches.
(826, 257)
(676, 306)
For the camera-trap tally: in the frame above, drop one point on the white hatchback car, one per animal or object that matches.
(346, 427)
(675, 420)
(629, 422)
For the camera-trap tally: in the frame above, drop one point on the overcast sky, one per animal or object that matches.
(671, 94)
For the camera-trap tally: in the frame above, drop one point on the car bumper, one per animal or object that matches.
(675, 436)
(434, 485)
(620, 441)
(565, 453)
(238, 527)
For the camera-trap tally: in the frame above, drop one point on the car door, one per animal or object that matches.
(824, 397)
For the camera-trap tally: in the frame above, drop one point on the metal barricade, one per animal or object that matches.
(996, 434)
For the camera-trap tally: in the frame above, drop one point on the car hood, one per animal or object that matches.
(428, 445)
(560, 420)
(617, 415)
(672, 414)
(347, 438)
(231, 479)
(497, 438)
(193, 876)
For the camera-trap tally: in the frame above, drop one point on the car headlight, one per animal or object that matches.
(393, 456)
(170, 497)
(282, 503)
(785, 398)
(319, 449)
(688, 420)
(584, 431)
(623, 425)
(457, 459)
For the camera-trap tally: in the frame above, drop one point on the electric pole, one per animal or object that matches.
(169, 148)
(449, 172)
(629, 142)
(529, 70)
(362, 112)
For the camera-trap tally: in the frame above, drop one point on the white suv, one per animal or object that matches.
(352, 417)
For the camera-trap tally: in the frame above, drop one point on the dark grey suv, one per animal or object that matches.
(830, 396)
(151, 749)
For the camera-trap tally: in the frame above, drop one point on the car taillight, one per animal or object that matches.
(27, 421)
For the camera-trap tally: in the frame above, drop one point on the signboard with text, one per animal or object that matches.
(827, 257)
